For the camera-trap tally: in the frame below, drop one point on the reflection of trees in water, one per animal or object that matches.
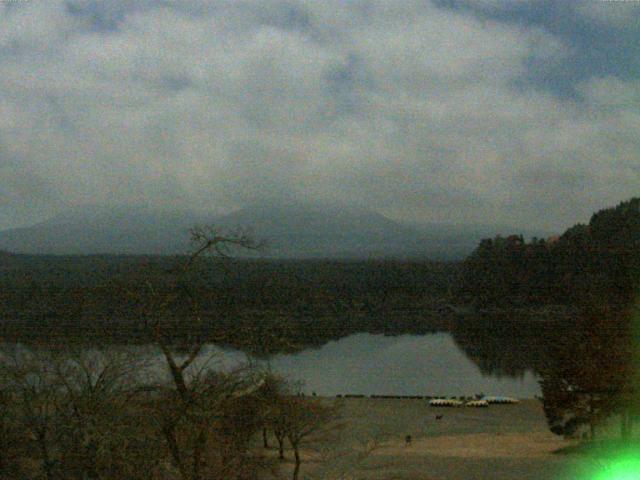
(506, 347)
(499, 347)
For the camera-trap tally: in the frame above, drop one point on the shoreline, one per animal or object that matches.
(509, 441)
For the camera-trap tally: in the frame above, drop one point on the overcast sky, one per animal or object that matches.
(488, 111)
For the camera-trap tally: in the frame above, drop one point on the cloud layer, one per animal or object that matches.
(420, 110)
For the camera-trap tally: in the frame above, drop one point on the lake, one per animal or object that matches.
(390, 365)
(436, 364)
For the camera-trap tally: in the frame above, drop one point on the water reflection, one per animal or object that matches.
(390, 365)
(507, 347)
(492, 357)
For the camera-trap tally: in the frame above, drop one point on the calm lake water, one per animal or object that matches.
(363, 363)
(390, 365)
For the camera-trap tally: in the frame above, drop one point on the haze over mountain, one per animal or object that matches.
(293, 230)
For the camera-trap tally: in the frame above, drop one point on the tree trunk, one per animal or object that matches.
(296, 469)
(198, 449)
(592, 421)
(47, 463)
(92, 462)
(280, 448)
(265, 438)
(623, 425)
(168, 430)
(176, 372)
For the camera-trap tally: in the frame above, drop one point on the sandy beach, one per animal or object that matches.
(499, 442)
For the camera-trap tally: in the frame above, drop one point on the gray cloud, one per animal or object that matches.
(618, 14)
(406, 107)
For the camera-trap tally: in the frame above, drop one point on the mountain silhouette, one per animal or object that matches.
(290, 230)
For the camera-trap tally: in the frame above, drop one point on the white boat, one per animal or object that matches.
(445, 402)
(477, 403)
(501, 400)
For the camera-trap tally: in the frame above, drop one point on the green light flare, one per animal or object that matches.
(619, 460)
(625, 468)
(624, 464)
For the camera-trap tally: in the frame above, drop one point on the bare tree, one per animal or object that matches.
(194, 404)
(305, 417)
(276, 420)
(31, 382)
(98, 389)
(272, 389)
(83, 415)
(72, 407)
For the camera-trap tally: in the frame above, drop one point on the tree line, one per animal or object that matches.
(591, 370)
(597, 263)
(244, 303)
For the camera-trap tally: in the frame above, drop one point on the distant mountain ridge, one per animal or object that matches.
(296, 230)
(96, 230)
(312, 230)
